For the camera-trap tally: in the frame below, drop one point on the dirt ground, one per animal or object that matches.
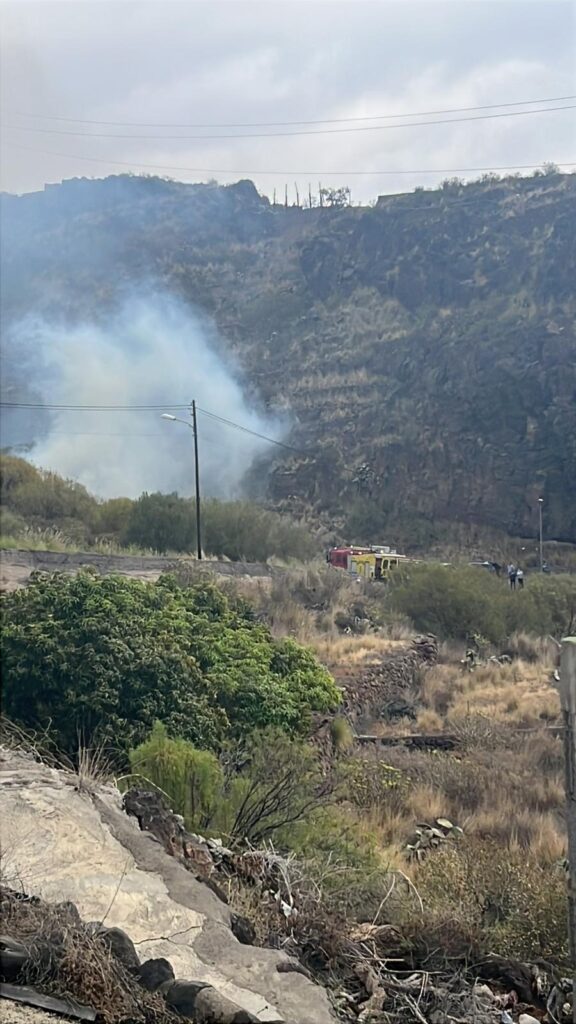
(16, 566)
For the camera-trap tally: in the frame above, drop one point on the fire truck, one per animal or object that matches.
(371, 563)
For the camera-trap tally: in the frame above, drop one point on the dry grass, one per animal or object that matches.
(67, 961)
(343, 651)
(425, 803)
(521, 693)
(429, 721)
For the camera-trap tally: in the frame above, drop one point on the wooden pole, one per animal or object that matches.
(197, 482)
(568, 702)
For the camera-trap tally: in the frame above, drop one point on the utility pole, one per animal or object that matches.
(540, 503)
(568, 703)
(197, 480)
(194, 428)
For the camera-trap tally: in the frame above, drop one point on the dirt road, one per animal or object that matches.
(16, 566)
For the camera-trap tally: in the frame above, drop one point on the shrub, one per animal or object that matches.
(501, 898)
(191, 778)
(457, 603)
(109, 656)
(279, 784)
(449, 602)
(341, 733)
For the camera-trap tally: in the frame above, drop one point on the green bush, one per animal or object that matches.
(154, 522)
(459, 602)
(450, 602)
(161, 522)
(191, 778)
(260, 787)
(109, 656)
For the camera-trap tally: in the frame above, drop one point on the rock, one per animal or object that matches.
(181, 996)
(293, 967)
(213, 1008)
(512, 974)
(243, 929)
(204, 1004)
(121, 946)
(154, 973)
(527, 1018)
(153, 815)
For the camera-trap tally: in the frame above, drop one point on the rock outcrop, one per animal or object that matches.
(69, 839)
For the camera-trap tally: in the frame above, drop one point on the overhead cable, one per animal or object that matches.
(288, 173)
(148, 408)
(278, 135)
(283, 124)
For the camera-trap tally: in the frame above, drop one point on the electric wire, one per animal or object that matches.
(283, 124)
(290, 134)
(288, 173)
(150, 408)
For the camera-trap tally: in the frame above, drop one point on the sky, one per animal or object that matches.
(243, 63)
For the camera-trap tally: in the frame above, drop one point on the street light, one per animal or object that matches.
(540, 503)
(194, 428)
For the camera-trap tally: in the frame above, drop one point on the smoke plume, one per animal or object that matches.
(153, 351)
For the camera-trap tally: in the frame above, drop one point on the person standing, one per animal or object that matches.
(520, 577)
(512, 576)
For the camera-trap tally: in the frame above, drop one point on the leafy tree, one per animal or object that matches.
(109, 656)
(162, 522)
(113, 516)
(335, 197)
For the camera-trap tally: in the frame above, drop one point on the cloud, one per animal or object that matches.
(244, 62)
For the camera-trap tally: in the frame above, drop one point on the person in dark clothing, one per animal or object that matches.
(512, 576)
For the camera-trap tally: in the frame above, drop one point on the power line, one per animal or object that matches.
(282, 124)
(278, 135)
(324, 173)
(147, 408)
(255, 433)
(53, 407)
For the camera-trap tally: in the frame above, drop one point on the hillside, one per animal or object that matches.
(425, 346)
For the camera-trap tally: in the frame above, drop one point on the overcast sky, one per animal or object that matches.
(213, 63)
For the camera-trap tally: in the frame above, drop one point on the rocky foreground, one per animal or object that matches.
(66, 840)
(112, 912)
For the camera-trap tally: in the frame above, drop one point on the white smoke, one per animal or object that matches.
(152, 352)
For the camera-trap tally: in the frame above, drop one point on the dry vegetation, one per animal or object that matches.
(65, 959)
(502, 784)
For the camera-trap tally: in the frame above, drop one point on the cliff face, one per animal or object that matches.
(426, 347)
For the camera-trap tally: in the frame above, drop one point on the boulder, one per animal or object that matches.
(181, 996)
(243, 929)
(154, 973)
(204, 1004)
(213, 1008)
(121, 946)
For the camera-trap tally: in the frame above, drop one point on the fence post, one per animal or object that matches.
(568, 702)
